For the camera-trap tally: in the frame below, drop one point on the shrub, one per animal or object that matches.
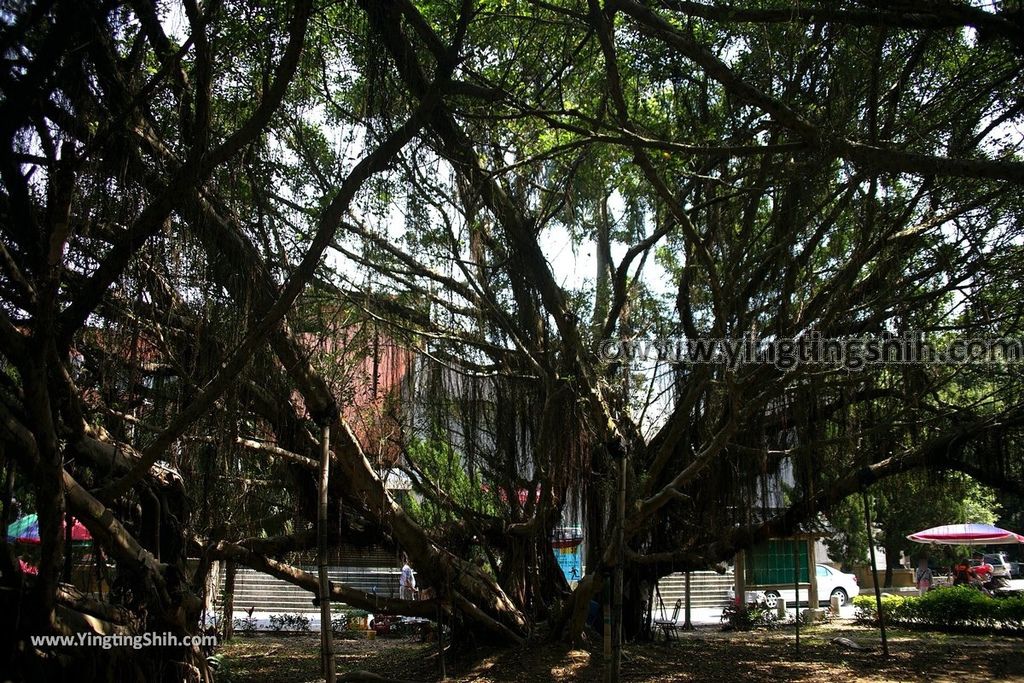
(953, 608)
(956, 606)
(743, 618)
(289, 622)
(1011, 612)
(865, 609)
(246, 625)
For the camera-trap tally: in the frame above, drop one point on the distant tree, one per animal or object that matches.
(902, 505)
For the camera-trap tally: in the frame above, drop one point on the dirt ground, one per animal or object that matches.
(706, 654)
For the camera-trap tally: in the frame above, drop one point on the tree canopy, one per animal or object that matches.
(228, 225)
(903, 505)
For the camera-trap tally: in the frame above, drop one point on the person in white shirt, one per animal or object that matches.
(924, 576)
(407, 581)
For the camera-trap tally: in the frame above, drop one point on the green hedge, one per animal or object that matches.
(959, 607)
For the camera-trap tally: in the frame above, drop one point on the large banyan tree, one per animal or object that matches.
(422, 226)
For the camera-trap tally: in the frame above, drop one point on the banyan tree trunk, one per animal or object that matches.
(633, 602)
(892, 561)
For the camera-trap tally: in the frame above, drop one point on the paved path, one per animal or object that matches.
(705, 616)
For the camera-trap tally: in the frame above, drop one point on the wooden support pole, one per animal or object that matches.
(687, 625)
(230, 570)
(440, 639)
(813, 598)
(68, 557)
(740, 578)
(606, 603)
(326, 635)
(796, 591)
(874, 573)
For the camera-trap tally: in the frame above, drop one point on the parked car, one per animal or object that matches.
(831, 582)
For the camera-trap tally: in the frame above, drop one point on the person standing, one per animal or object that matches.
(407, 581)
(962, 572)
(923, 576)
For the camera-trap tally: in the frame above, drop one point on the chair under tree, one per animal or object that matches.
(670, 626)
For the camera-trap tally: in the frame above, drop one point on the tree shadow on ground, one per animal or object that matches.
(706, 654)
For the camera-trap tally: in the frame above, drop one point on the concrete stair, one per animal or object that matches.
(707, 589)
(265, 593)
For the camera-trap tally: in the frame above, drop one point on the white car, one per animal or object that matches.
(834, 583)
(831, 582)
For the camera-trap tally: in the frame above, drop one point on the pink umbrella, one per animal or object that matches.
(966, 534)
(26, 530)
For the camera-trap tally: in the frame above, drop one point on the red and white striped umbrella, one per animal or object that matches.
(966, 534)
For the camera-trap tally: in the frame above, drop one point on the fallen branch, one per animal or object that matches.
(269, 652)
